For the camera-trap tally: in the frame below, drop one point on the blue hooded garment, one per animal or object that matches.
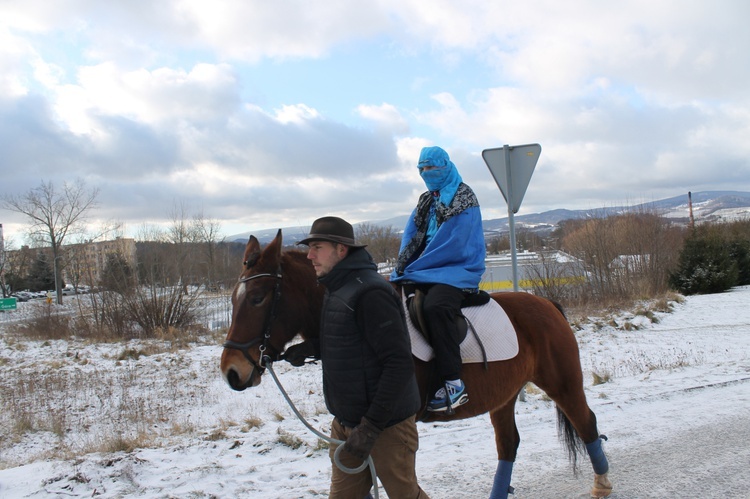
(455, 251)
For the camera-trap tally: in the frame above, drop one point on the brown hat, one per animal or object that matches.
(332, 229)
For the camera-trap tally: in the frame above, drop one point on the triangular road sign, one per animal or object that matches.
(512, 167)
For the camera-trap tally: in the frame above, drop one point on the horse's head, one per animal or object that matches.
(275, 298)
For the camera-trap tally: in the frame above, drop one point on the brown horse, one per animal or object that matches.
(277, 298)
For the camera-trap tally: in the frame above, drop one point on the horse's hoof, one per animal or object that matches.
(602, 486)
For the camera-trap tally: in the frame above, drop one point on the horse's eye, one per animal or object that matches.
(257, 300)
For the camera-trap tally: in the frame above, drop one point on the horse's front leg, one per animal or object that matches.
(507, 440)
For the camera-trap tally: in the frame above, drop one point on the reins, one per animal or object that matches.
(336, 459)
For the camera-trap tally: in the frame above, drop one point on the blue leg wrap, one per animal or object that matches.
(501, 486)
(598, 459)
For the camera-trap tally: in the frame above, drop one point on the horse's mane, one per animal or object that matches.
(297, 270)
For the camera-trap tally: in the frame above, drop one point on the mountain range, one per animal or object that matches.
(707, 206)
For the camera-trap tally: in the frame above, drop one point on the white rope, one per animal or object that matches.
(352, 471)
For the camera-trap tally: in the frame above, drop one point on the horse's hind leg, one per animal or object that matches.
(574, 413)
(507, 440)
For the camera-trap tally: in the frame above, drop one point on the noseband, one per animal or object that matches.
(245, 347)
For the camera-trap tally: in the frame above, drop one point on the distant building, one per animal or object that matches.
(83, 263)
(533, 269)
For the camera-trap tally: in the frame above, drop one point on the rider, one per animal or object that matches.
(442, 254)
(368, 372)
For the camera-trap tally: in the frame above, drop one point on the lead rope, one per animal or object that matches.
(352, 471)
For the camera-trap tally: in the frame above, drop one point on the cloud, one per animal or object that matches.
(386, 116)
(167, 101)
(203, 95)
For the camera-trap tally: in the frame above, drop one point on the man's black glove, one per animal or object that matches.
(296, 354)
(362, 439)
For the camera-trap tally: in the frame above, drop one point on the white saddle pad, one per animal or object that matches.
(491, 324)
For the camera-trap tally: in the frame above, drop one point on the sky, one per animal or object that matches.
(263, 114)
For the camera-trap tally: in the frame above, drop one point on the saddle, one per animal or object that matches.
(415, 302)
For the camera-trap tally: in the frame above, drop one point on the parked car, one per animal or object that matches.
(22, 295)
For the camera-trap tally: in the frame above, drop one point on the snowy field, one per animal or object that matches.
(139, 420)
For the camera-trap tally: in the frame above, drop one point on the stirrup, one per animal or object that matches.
(461, 401)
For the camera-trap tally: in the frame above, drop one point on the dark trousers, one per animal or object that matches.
(441, 305)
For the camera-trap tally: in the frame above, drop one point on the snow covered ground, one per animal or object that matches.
(138, 420)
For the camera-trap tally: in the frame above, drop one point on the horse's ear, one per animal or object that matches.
(252, 252)
(277, 240)
(274, 247)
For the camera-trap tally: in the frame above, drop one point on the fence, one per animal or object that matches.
(213, 310)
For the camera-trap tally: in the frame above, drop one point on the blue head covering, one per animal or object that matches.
(444, 179)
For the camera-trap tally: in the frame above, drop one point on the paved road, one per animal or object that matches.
(697, 458)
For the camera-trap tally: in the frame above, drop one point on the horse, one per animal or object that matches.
(277, 297)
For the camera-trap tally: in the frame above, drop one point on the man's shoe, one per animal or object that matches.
(458, 396)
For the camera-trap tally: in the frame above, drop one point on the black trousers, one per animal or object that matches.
(441, 305)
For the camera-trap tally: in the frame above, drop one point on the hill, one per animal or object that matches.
(707, 206)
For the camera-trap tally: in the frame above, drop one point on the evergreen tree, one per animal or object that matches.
(706, 264)
(117, 275)
(739, 250)
(41, 276)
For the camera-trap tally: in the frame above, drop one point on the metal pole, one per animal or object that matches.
(511, 222)
(57, 288)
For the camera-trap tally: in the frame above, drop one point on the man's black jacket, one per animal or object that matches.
(365, 349)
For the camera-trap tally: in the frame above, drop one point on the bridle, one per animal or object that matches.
(245, 347)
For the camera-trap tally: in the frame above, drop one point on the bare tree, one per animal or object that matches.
(3, 263)
(555, 278)
(207, 232)
(55, 214)
(181, 233)
(625, 256)
(382, 242)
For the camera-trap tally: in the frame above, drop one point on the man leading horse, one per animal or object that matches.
(368, 372)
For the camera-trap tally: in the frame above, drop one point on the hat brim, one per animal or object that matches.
(332, 239)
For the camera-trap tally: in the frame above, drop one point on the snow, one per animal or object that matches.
(664, 380)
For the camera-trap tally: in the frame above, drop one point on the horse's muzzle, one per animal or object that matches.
(238, 373)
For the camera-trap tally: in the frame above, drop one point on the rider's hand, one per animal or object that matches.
(362, 439)
(296, 354)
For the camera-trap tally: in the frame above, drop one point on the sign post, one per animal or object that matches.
(512, 167)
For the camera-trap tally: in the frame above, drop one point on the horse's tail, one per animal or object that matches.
(560, 308)
(570, 439)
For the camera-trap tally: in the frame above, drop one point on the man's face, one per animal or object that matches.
(325, 255)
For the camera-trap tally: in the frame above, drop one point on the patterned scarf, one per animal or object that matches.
(463, 199)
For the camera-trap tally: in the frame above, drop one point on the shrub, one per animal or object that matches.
(706, 264)
(739, 251)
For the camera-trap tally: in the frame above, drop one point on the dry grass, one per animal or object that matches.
(532, 389)
(612, 315)
(288, 439)
(78, 405)
(600, 379)
(44, 324)
(251, 423)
